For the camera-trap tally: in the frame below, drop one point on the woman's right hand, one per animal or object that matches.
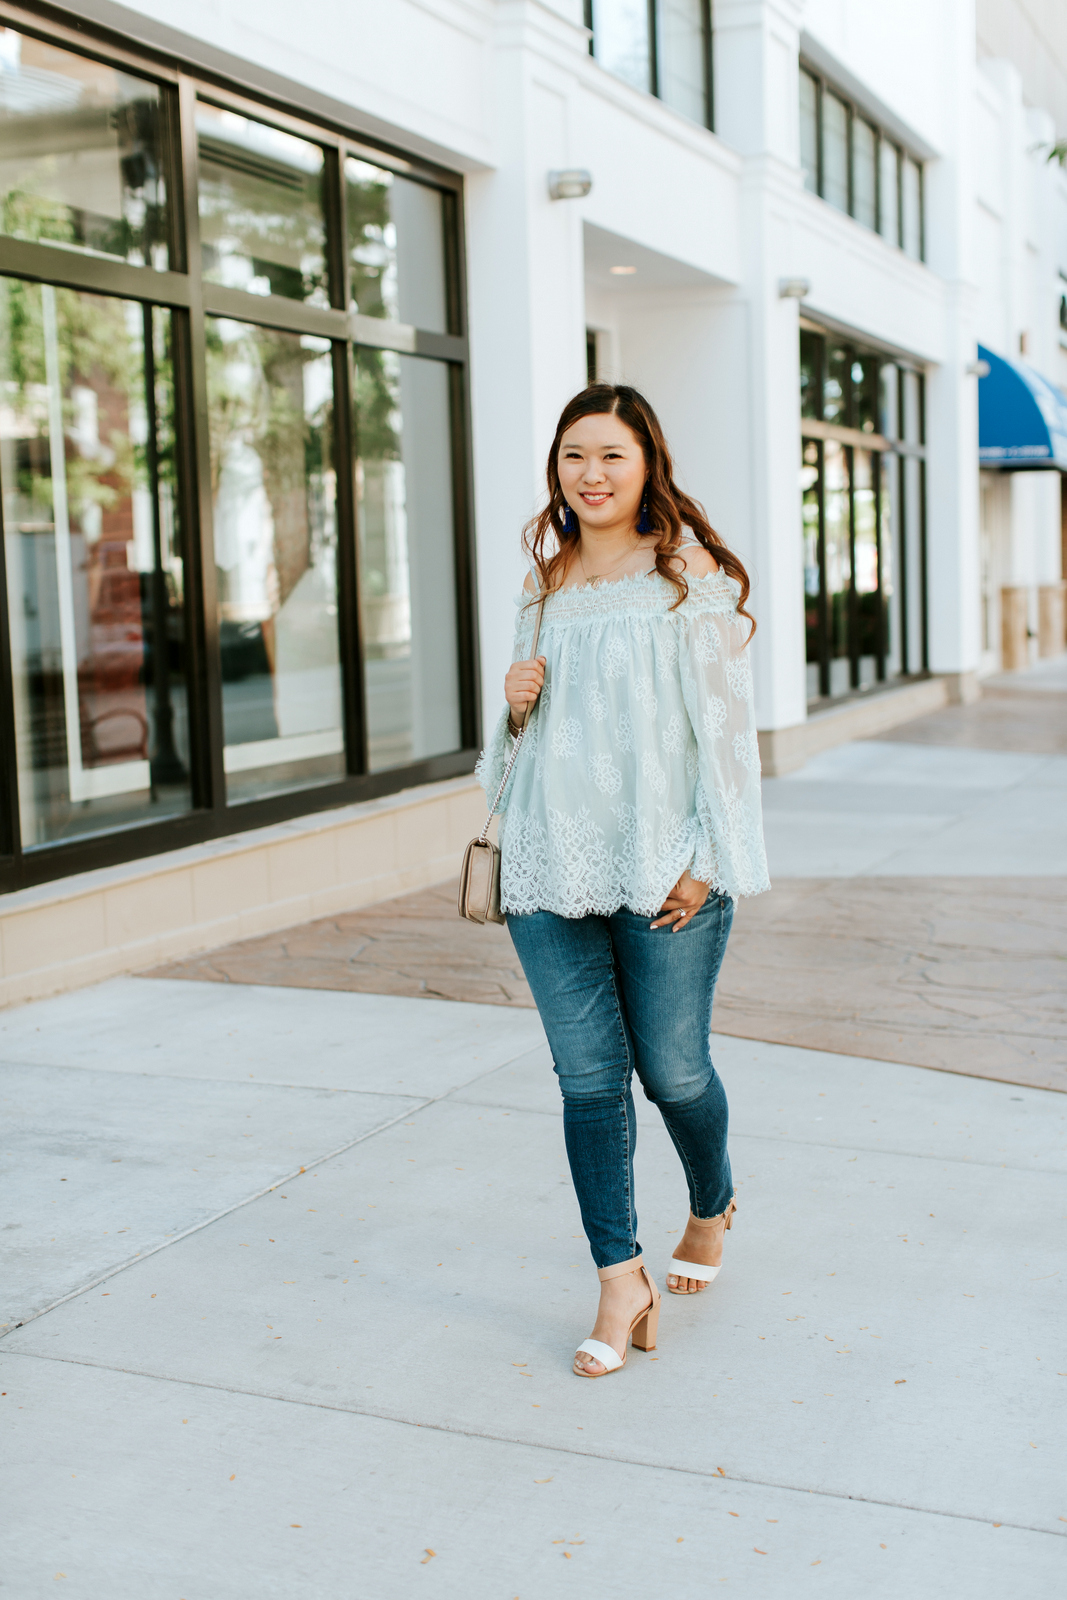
(523, 684)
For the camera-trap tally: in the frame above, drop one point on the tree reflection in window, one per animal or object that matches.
(261, 220)
(94, 566)
(80, 154)
(274, 494)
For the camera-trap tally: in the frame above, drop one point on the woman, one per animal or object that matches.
(635, 797)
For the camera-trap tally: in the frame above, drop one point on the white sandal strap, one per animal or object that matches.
(690, 1269)
(608, 1358)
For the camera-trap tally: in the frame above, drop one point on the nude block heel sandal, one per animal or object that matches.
(642, 1331)
(703, 1272)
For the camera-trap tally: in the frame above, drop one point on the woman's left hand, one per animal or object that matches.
(682, 904)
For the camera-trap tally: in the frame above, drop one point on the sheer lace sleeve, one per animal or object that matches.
(494, 758)
(717, 690)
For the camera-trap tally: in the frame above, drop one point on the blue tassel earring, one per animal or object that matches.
(570, 521)
(644, 525)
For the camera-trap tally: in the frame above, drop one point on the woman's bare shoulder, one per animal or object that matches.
(696, 561)
(529, 584)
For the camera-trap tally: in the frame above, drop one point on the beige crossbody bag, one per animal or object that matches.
(479, 880)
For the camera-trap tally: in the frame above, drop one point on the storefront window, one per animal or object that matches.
(837, 369)
(236, 547)
(866, 576)
(261, 223)
(811, 513)
(81, 162)
(865, 392)
(270, 397)
(811, 349)
(407, 559)
(95, 573)
(396, 248)
(862, 517)
(838, 561)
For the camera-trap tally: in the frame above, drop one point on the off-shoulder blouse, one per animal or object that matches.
(640, 760)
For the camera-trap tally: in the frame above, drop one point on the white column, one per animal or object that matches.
(756, 112)
(953, 565)
(526, 309)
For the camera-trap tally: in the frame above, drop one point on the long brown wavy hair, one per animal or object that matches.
(550, 545)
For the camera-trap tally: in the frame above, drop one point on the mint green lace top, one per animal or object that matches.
(640, 760)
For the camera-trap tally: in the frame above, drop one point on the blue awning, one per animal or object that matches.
(1022, 418)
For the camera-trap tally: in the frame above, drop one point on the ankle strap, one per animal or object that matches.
(713, 1222)
(620, 1269)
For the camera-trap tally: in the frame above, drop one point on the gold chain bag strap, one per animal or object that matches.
(479, 879)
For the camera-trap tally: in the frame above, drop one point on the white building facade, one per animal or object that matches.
(274, 578)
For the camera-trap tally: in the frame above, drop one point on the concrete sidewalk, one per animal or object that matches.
(254, 1378)
(242, 1214)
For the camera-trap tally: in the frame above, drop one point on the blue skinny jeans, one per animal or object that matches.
(618, 997)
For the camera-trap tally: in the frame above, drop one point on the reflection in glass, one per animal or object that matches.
(407, 557)
(911, 219)
(260, 198)
(80, 154)
(889, 194)
(270, 398)
(911, 509)
(911, 385)
(620, 32)
(864, 173)
(396, 247)
(838, 561)
(888, 400)
(809, 489)
(94, 567)
(809, 130)
(867, 623)
(865, 563)
(865, 393)
(811, 346)
(835, 151)
(835, 385)
(889, 521)
(680, 57)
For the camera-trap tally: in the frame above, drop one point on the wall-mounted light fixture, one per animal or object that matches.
(793, 288)
(571, 184)
(977, 369)
(622, 272)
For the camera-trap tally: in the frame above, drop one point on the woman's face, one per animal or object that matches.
(602, 472)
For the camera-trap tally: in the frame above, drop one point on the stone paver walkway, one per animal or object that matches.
(414, 945)
(919, 910)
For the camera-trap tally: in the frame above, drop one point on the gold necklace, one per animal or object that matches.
(600, 576)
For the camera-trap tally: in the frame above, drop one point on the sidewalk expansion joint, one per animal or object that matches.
(773, 1138)
(707, 1474)
(289, 1177)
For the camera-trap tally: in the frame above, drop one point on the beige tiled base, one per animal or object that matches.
(81, 929)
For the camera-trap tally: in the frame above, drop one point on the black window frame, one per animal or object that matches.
(191, 300)
(856, 112)
(909, 554)
(653, 87)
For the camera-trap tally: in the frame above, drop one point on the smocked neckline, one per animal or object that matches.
(524, 597)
